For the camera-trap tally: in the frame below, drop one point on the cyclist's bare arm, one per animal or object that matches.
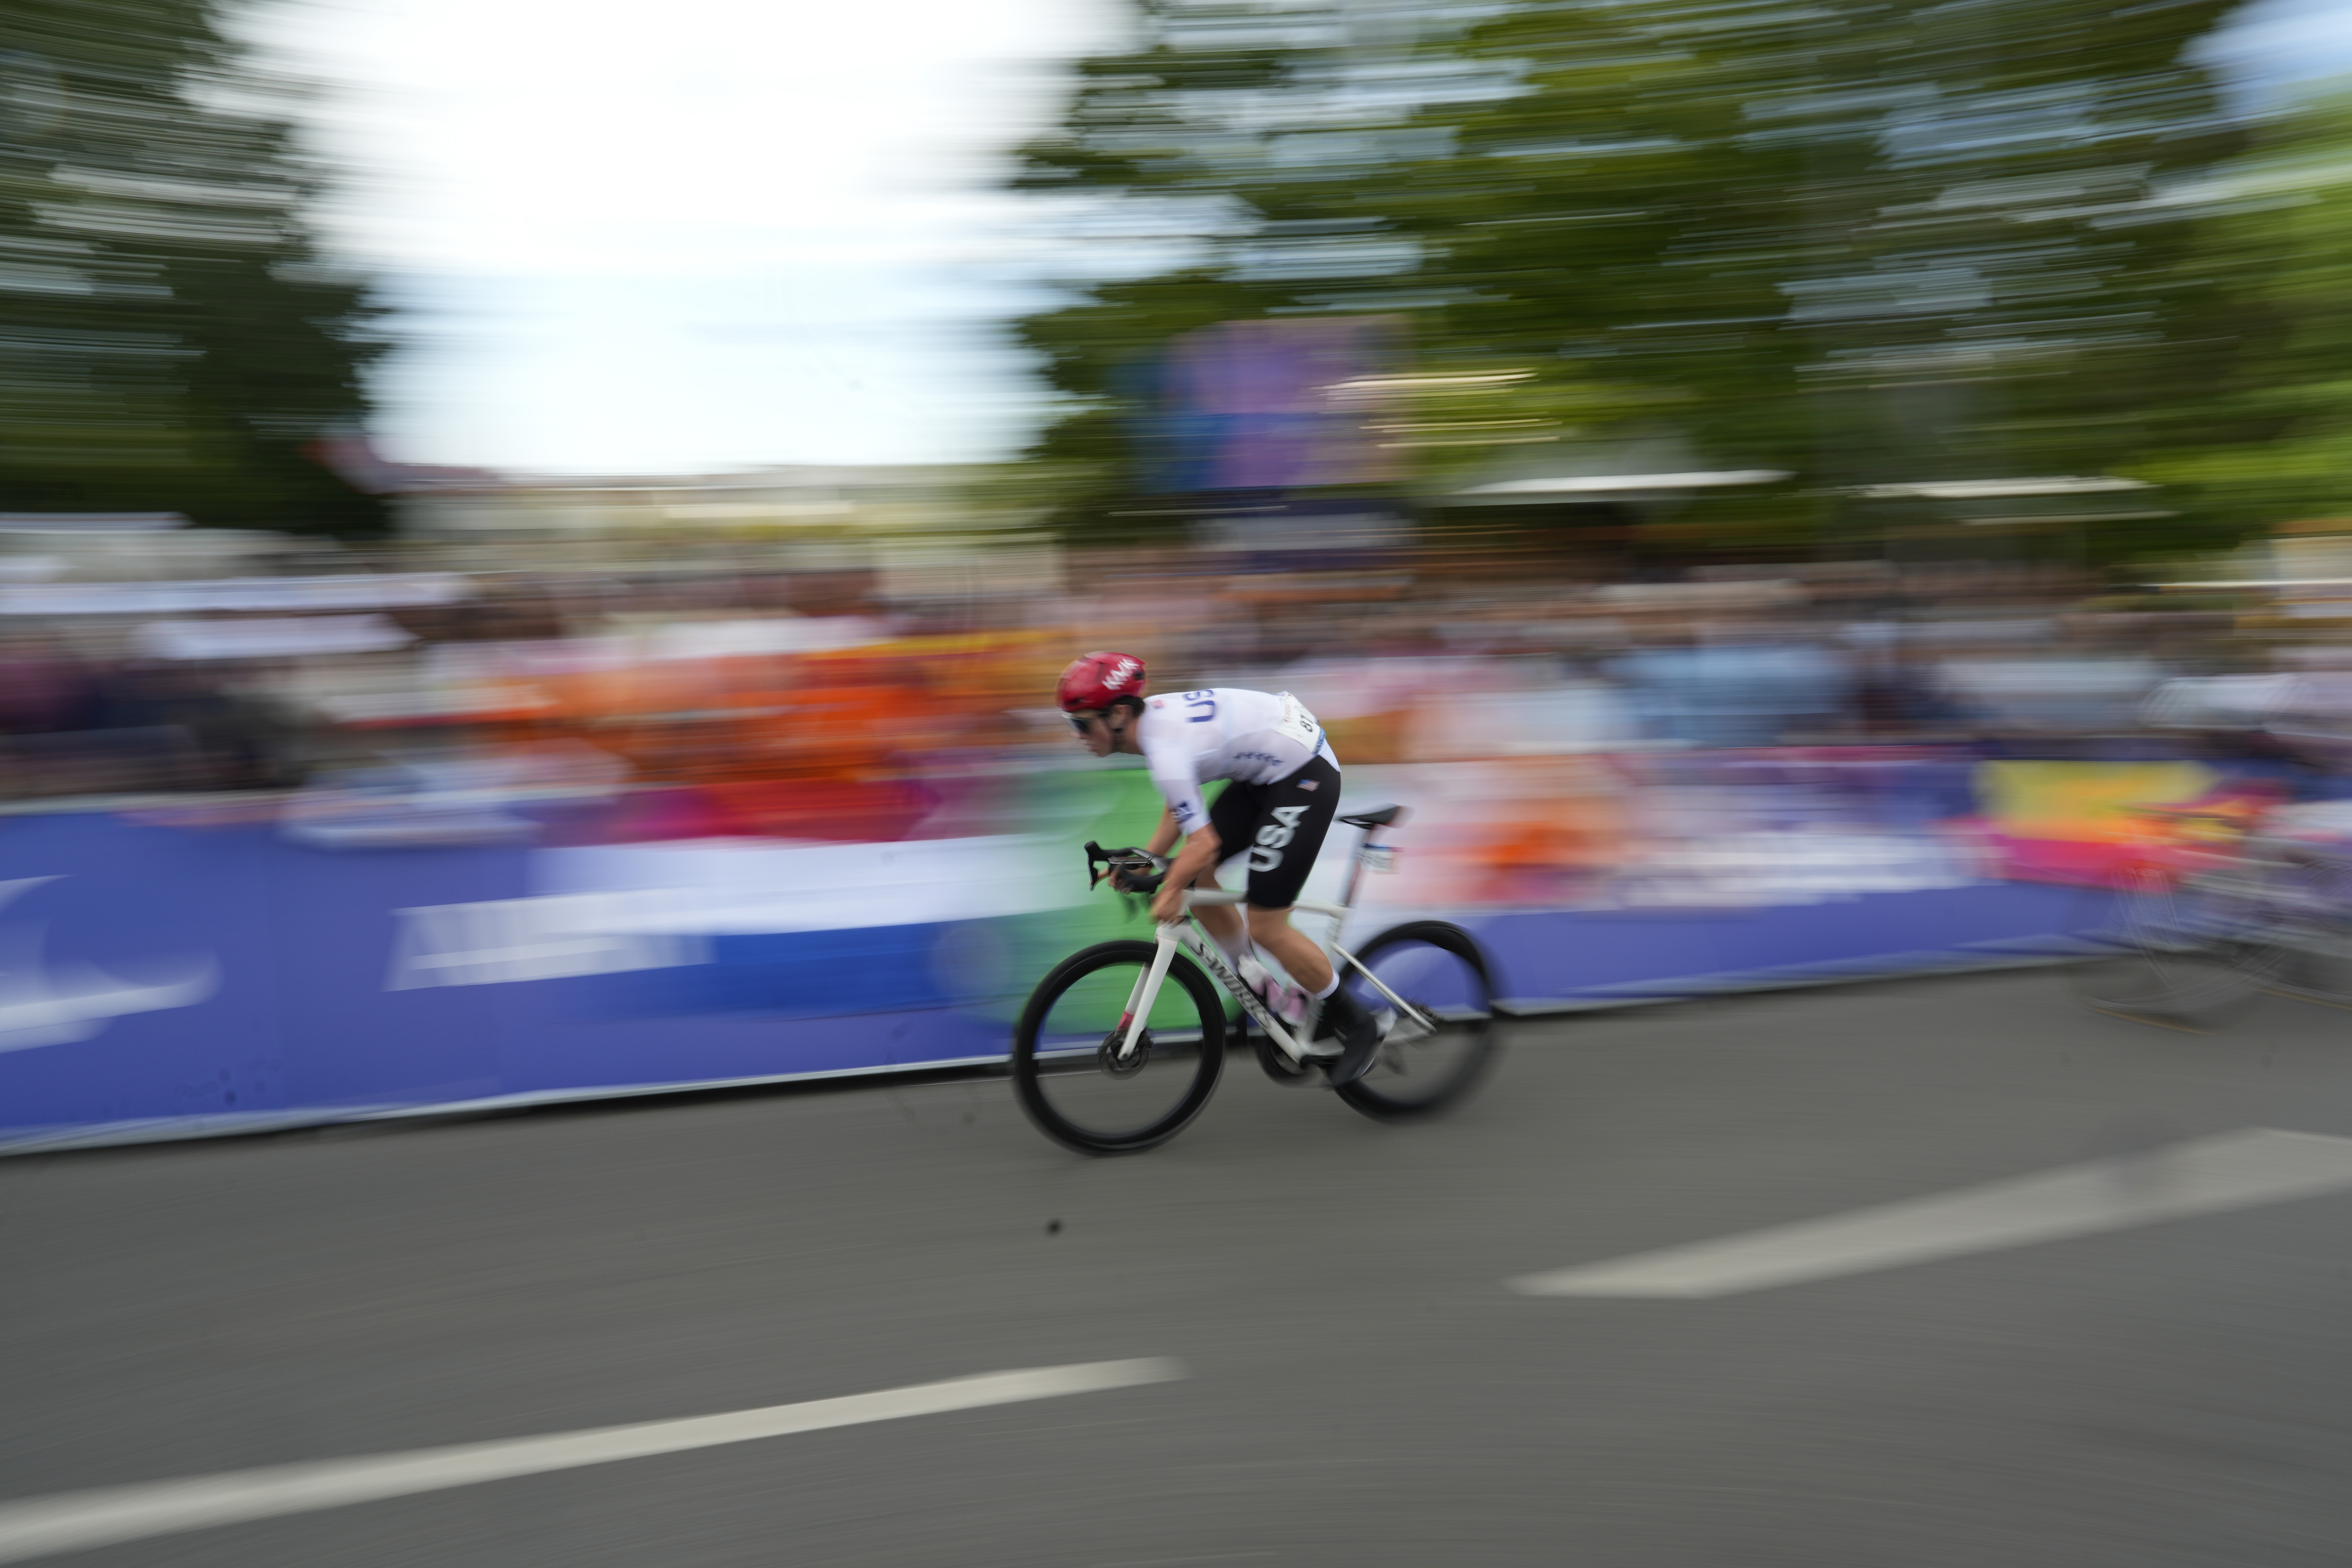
(1197, 859)
(1196, 862)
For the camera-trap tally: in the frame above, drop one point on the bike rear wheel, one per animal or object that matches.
(1075, 1086)
(1424, 1069)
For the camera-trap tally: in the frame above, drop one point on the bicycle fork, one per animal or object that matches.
(1145, 994)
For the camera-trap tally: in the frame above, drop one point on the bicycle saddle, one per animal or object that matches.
(1379, 816)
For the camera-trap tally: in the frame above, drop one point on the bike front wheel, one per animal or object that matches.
(1080, 1089)
(1435, 1053)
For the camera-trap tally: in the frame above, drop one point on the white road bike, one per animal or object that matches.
(1122, 1044)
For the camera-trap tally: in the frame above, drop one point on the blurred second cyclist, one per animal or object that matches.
(1284, 788)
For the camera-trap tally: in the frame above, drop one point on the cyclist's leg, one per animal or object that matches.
(1221, 921)
(1298, 814)
(1233, 816)
(1293, 949)
(1292, 818)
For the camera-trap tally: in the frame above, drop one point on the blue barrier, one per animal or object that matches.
(159, 981)
(1548, 959)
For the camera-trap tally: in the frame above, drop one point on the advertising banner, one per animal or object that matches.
(188, 971)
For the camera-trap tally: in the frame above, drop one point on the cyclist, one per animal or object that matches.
(1284, 789)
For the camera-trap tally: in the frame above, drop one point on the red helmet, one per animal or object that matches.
(1093, 680)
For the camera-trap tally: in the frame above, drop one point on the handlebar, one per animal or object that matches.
(1130, 870)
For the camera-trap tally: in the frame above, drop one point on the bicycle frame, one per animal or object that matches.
(1188, 935)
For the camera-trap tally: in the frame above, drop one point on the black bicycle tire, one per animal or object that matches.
(1207, 1000)
(1364, 1094)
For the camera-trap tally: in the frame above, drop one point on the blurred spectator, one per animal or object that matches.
(43, 688)
(1754, 685)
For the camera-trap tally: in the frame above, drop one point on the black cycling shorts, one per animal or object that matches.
(1281, 826)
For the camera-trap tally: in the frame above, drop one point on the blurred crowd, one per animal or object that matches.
(739, 697)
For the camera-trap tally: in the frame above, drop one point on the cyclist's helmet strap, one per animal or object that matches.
(1100, 678)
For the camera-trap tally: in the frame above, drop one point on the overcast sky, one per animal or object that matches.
(721, 234)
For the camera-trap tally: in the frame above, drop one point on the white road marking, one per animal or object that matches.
(74, 1520)
(2204, 1175)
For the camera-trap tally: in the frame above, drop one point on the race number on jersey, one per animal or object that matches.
(1296, 723)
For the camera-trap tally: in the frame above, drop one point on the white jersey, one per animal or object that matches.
(1225, 732)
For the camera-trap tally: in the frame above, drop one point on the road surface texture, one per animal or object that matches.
(1361, 1384)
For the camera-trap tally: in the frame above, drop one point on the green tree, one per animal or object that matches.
(171, 336)
(2275, 443)
(1869, 242)
(1215, 173)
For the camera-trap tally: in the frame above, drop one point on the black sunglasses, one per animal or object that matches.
(1078, 721)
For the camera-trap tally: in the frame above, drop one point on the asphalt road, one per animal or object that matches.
(1362, 1388)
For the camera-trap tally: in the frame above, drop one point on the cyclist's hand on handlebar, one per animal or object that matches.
(1168, 903)
(1126, 870)
(1141, 873)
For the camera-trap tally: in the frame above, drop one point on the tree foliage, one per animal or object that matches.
(171, 337)
(2272, 443)
(1868, 241)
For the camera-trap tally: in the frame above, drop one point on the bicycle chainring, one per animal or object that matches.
(1276, 1062)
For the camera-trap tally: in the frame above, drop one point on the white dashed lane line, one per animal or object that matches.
(2204, 1175)
(74, 1520)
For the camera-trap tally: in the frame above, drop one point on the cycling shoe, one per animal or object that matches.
(1359, 1034)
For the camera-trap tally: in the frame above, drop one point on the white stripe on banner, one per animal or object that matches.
(717, 887)
(607, 909)
(2205, 1175)
(75, 1520)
